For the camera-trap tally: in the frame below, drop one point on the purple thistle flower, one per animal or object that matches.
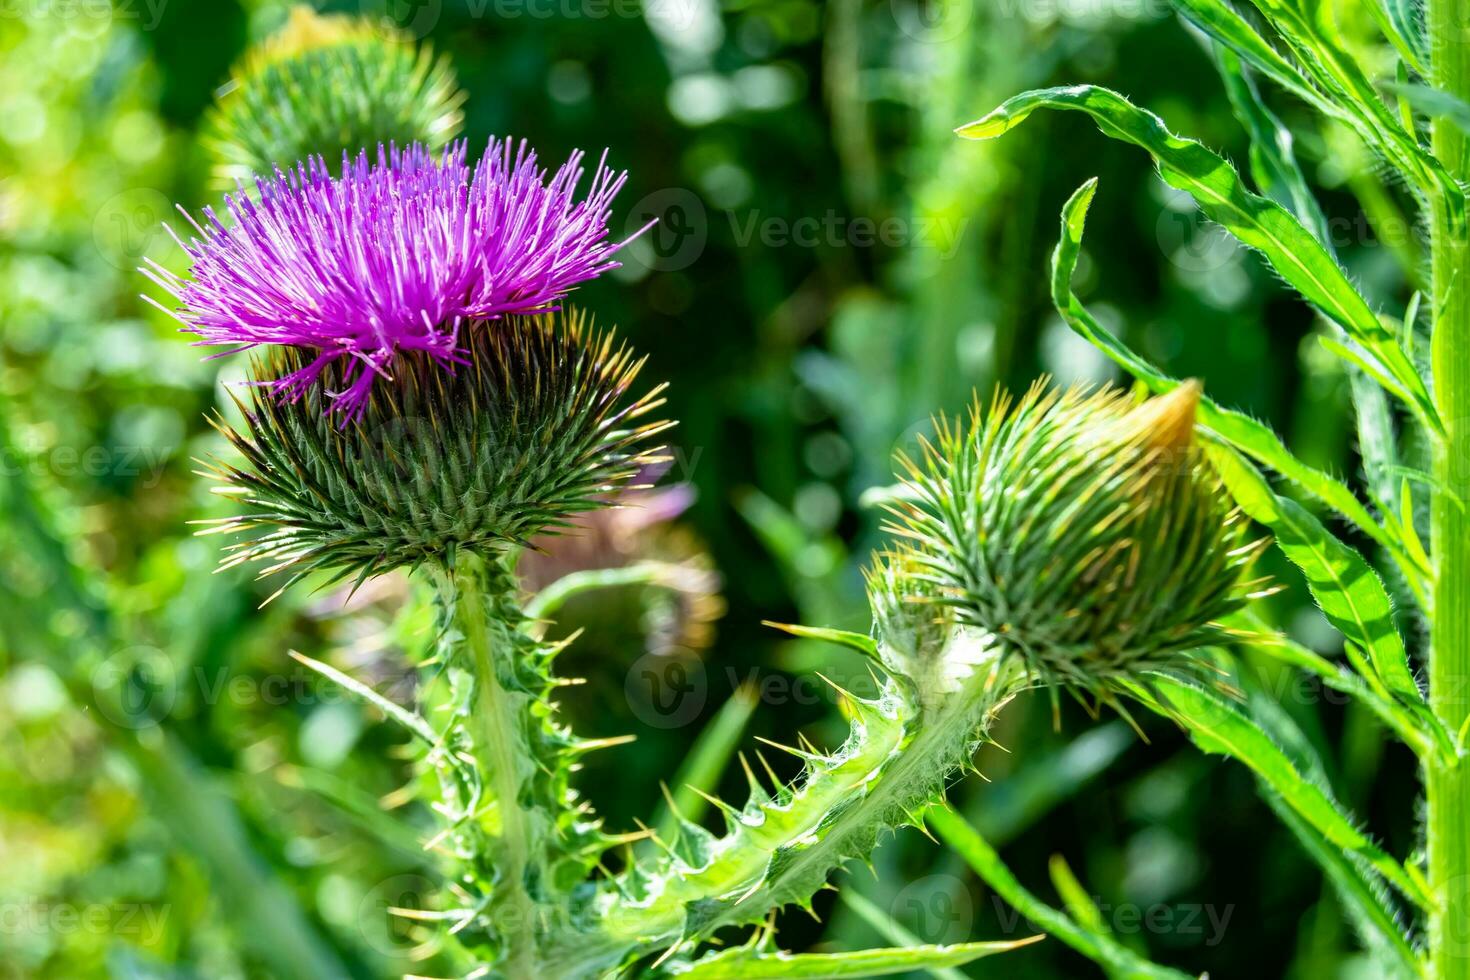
(393, 256)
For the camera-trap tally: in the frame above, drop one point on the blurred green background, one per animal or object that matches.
(832, 267)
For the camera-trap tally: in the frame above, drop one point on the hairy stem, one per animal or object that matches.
(498, 729)
(1448, 784)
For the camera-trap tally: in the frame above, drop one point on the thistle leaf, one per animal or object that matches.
(1256, 221)
(1218, 726)
(1099, 947)
(1346, 587)
(853, 641)
(1415, 725)
(742, 964)
(1219, 21)
(1375, 924)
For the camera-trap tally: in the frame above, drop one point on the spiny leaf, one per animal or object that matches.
(853, 641)
(1277, 174)
(740, 964)
(707, 760)
(1257, 221)
(1417, 726)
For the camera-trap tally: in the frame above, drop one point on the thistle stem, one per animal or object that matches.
(1448, 784)
(892, 766)
(469, 593)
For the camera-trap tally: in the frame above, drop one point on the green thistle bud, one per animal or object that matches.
(324, 85)
(1084, 532)
(532, 428)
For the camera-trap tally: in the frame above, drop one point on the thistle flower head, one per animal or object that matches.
(392, 257)
(532, 428)
(1081, 531)
(327, 85)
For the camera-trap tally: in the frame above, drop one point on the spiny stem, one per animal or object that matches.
(779, 852)
(497, 726)
(1447, 784)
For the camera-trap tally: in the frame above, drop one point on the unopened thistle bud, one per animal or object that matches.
(325, 86)
(1084, 532)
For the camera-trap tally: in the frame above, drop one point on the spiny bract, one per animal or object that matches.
(328, 85)
(532, 428)
(1086, 532)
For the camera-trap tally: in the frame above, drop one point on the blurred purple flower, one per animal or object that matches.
(393, 256)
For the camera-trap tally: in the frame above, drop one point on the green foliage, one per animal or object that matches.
(1256, 221)
(738, 964)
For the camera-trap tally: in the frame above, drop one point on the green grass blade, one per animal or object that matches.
(1256, 221)
(742, 964)
(1241, 431)
(1074, 897)
(1099, 947)
(891, 931)
(1345, 586)
(408, 719)
(1219, 726)
(706, 762)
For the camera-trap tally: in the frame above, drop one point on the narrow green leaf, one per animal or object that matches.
(1273, 160)
(1219, 726)
(1219, 21)
(1400, 24)
(1278, 175)
(398, 713)
(1074, 897)
(707, 760)
(860, 642)
(1099, 947)
(1245, 433)
(890, 930)
(1345, 586)
(1416, 726)
(1324, 57)
(743, 964)
(1434, 102)
(1256, 221)
(1379, 930)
